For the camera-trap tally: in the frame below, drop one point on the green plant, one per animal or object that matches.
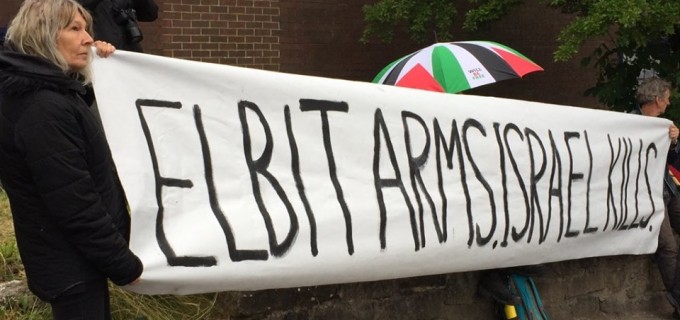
(634, 34)
(9, 253)
(128, 305)
(24, 307)
(621, 66)
(422, 19)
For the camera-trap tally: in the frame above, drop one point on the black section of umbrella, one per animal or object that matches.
(497, 67)
(393, 76)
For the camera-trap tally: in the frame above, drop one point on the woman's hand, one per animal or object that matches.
(104, 49)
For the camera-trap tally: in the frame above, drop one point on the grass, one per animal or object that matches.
(124, 304)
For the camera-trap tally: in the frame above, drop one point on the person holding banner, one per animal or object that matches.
(653, 97)
(68, 207)
(116, 21)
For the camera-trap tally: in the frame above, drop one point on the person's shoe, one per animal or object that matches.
(495, 286)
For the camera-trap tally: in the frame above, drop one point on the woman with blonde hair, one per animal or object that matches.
(68, 207)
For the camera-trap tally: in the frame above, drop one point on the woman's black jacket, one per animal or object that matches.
(69, 210)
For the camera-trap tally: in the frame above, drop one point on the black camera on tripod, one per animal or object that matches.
(128, 19)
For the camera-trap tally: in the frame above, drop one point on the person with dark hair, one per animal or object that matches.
(653, 97)
(116, 21)
(68, 207)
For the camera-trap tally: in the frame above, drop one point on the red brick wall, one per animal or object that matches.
(321, 38)
(234, 32)
(7, 10)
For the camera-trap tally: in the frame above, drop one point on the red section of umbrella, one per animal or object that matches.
(519, 65)
(419, 78)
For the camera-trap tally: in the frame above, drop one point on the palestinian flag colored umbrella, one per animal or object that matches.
(456, 66)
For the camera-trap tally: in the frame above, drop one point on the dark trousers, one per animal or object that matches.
(666, 256)
(674, 214)
(86, 301)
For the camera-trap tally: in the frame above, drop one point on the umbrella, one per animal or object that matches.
(456, 66)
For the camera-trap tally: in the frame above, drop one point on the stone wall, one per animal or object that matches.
(622, 287)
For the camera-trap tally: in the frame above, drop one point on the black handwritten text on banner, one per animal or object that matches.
(242, 179)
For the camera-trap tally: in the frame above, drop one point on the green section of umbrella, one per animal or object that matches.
(447, 70)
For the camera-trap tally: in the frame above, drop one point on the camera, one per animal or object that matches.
(128, 19)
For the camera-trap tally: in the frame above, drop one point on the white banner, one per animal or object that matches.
(242, 179)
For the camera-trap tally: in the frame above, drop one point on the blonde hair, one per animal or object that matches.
(35, 29)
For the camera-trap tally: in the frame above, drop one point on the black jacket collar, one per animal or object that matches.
(21, 73)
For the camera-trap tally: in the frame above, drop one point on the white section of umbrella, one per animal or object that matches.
(468, 62)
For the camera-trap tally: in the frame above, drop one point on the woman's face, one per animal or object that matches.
(73, 42)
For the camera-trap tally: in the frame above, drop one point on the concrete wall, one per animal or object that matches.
(320, 37)
(623, 287)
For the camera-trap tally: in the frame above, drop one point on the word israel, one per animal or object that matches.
(242, 179)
